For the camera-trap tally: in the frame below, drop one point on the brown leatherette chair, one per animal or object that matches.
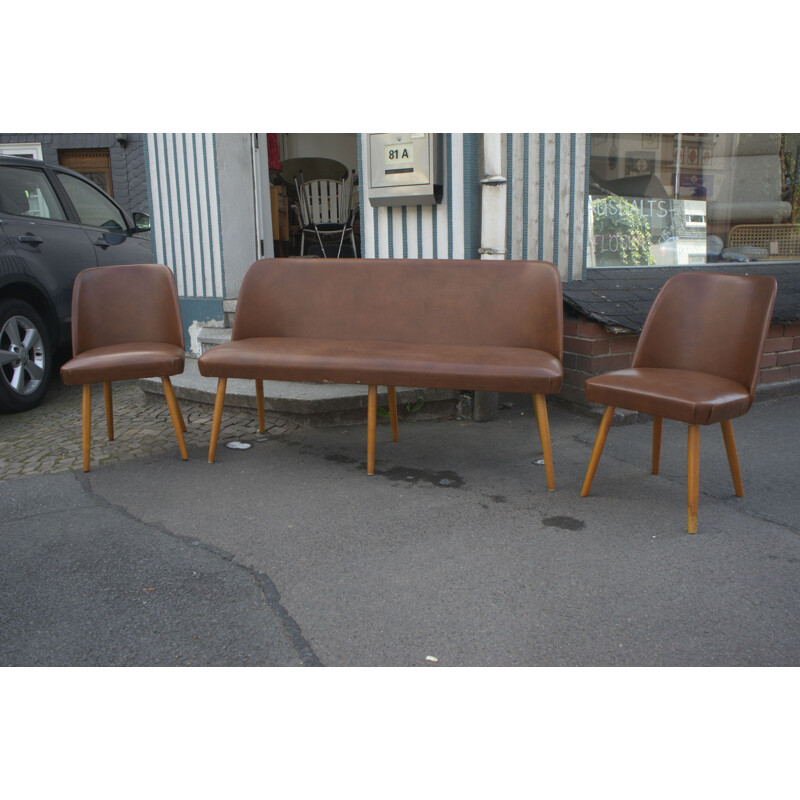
(697, 361)
(126, 324)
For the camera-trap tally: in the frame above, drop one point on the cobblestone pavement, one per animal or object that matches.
(48, 438)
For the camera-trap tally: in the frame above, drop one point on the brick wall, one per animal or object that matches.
(591, 349)
(781, 359)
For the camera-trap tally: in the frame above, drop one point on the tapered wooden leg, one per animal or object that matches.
(217, 420)
(175, 413)
(540, 405)
(693, 476)
(390, 390)
(733, 458)
(262, 425)
(599, 444)
(107, 397)
(372, 423)
(658, 425)
(87, 424)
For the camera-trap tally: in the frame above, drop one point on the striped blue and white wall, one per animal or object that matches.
(184, 197)
(547, 186)
(211, 219)
(546, 204)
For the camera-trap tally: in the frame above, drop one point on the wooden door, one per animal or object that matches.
(94, 164)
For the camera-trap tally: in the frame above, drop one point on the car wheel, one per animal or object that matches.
(26, 357)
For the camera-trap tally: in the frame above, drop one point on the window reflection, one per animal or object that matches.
(662, 199)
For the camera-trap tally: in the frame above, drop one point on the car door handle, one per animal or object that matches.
(101, 242)
(30, 238)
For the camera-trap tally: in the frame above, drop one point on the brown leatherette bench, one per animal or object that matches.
(471, 325)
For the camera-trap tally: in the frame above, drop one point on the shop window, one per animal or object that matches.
(672, 199)
(92, 164)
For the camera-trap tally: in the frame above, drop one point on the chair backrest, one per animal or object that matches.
(325, 202)
(126, 303)
(709, 322)
(427, 301)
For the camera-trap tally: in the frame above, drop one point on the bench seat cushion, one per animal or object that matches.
(437, 366)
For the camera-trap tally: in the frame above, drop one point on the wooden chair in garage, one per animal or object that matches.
(697, 361)
(126, 324)
(326, 212)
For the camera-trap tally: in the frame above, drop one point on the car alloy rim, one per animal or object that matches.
(21, 355)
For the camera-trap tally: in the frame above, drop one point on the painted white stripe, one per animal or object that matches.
(383, 232)
(548, 208)
(167, 213)
(155, 199)
(441, 208)
(411, 225)
(427, 232)
(579, 187)
(517, 196)
(195, 241)
(564, 190)
(457, 200)
(214, 223)
(397, 231)
(534, 179)
(204, 260)
(184, 215)
(367, 210)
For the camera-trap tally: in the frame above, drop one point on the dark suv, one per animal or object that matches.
(53, 224)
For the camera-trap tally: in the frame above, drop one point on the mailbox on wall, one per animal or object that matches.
(405, 169)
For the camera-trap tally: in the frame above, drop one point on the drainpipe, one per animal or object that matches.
(493, 238)
(493, 199)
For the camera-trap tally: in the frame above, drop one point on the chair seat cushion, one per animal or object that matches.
(124, 362)
(444, 366)
(693, 397)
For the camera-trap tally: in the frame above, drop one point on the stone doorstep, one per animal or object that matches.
(211, 337)
(322, 403)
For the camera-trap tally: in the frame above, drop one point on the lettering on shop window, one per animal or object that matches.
(611, 206)
(646, 231)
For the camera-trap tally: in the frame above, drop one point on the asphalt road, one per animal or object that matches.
(286, 553)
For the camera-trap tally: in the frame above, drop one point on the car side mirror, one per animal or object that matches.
(141, 222)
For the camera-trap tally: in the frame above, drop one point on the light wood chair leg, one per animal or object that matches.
(733, 458)
(658, 426)
(217, 420)
(262, 424)
(693, 476)
(597, 451)
(175, 413)
(87, 424)
(372, 422)
(540, 405)
(109, 401)
(390, 390)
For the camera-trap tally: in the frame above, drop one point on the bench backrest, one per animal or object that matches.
(427, 301)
